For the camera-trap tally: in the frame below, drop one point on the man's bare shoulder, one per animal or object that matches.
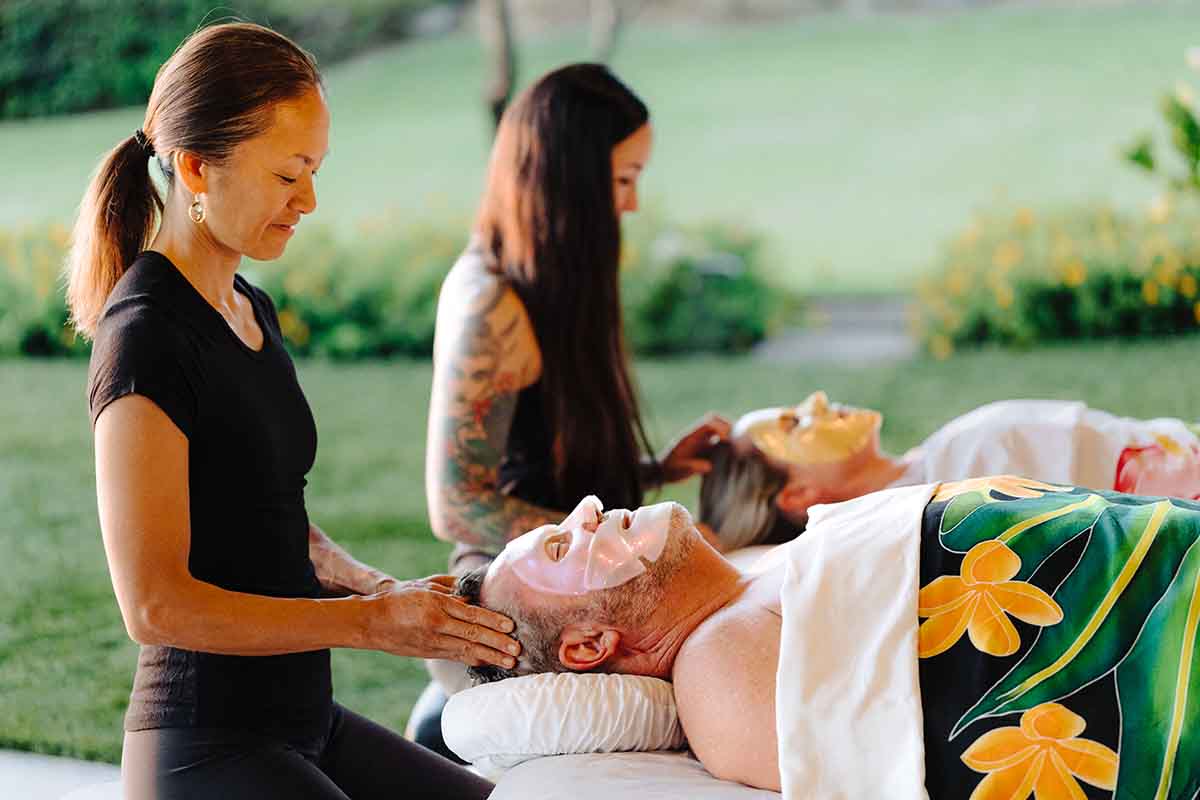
(725, 691)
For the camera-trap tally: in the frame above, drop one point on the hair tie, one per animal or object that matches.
(139, 136)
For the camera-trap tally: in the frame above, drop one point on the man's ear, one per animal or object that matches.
(191, 170)
(583, 647)
(793, 501)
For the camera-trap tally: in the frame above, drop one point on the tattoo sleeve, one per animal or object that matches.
(478, 370)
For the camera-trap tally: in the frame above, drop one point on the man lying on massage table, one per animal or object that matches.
(780, 461)
(1079, 670)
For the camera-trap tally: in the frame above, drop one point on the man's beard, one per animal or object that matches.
(630, 604)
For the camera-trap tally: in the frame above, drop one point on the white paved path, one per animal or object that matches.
(32, 776)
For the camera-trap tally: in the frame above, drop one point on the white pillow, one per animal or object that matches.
(496, 726)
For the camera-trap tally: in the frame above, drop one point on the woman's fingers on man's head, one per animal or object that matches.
(477, 634)
(718, 425)
(473, 654)
(479, 616)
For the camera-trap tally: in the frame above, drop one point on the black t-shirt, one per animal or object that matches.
(251, 441)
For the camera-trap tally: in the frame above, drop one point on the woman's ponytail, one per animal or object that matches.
(116, 220)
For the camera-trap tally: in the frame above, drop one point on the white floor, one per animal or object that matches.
(30, 776)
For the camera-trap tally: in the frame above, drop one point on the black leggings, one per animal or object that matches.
(359, 760)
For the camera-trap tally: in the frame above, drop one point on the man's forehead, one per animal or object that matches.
(746, 423)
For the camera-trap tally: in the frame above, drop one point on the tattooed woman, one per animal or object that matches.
(533, 403)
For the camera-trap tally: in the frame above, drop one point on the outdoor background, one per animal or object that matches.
(1016, 178)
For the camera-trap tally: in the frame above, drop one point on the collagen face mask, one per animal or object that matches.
(811, 433)
(589, 550)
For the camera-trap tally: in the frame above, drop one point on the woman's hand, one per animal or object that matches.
(688, 455)
(423, 619)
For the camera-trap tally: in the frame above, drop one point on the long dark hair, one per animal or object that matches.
(218, 90)
(549, 218)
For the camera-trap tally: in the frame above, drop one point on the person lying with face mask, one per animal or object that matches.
(782, 461)
(995, 637)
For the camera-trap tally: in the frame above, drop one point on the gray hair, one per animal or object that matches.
(537, 632)
(737, 499)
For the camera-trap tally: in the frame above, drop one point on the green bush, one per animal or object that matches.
(371, 295)
(697, 289)
(1086, 273)
(61, 56)
(33, 313)
(372, 292)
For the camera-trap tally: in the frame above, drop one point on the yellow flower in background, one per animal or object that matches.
(59, 235)
(959, 281)
(1185, 94)
(1160, 209)
(1187, 286)
(1024, 218)
(1045, 755)
(1063, 246)
(1075, 273)
(1150, 292)
(1004, 295)
(1008, 254)
(941, 348)
(1168, 272)
(293, 328)
(970, 235)
(978, 601)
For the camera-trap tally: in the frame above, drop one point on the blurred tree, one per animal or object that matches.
(606, 22)
(495, 26)
(63, 56)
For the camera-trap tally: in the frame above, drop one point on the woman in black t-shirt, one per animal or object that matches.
(203, 440)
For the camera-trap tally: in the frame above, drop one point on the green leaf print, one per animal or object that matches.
(1034, 528)
(1159, 689)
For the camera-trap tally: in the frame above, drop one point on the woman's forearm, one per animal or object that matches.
(194, 615)
(650, 473)
(337, 570)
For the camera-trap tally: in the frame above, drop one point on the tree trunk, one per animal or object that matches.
(495, 27)
(605, 25)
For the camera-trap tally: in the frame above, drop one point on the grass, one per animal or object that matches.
(857, 145)
(66, 664)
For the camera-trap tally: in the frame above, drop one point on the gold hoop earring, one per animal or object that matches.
(196, 211)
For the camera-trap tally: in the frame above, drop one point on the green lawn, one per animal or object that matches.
(857, 145)
(66, 665)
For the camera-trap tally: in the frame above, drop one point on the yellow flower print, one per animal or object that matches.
(978, 601)
(1010, 485)
(1044, 755)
